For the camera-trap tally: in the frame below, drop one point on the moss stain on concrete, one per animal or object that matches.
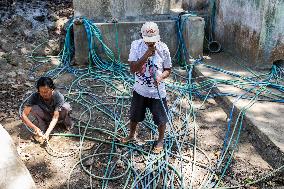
(272, 27)
(252, 29)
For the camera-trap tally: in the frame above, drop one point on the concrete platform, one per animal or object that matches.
(13, 172)
(264, 120)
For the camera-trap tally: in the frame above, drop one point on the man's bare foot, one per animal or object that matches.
(127, 139)
(70, 126)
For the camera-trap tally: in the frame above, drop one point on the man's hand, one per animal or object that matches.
(39, 137)
(158, 80)
(45, 137)
(38, 132)
(151, 50)
(136, 66)
(164, 75)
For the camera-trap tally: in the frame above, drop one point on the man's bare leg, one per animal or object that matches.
(131, 135)
(160, 141)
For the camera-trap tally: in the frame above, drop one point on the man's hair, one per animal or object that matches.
(45, 81)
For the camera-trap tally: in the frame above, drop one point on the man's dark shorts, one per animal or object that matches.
(140, 103)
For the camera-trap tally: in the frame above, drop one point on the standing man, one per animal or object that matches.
(47, 105)
(150, 61)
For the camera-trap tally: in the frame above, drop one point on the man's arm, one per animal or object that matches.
(136, 66)
(52, 124)
(166, 73)
(28, 122)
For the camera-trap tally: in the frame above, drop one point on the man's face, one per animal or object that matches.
(45, 92)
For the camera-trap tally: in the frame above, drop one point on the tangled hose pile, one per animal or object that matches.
(102, 93)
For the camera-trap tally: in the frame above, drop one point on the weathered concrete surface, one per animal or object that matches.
(253, 30)
(13, 172)
(124, 10)
(129, 31)
(196, 5)
(264, 120)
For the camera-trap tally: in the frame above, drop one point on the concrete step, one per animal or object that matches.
(13, 172)
(263, 120)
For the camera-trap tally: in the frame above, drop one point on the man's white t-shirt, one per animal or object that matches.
(144, 80)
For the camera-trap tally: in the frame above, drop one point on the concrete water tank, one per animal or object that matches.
(130, 15)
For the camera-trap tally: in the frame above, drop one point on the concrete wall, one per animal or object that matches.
(253, 30)
(195, 5)
(129, 31)
(130, 16)
(124, 10)
(13, 172)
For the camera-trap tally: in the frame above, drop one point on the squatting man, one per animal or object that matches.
(48, 106)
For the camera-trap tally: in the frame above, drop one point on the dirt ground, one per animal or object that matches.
(51, 169)
(51, 166)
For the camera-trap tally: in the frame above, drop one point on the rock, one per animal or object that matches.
(24, 156)
(29, 36)
(28, 84)
(61, 22)
(41, 33)
(21, 72)
(3, 62)
(228, 178)
(120, 164)
(29, 64)
(54, 47)
(47, 51)
(14, 53)
(15, 86)
(89, 162)
(118, 150)
(18, 24)
(54, 61)
(32, 78)
(24, 50)
(66, 24)
(51, 26)
(13, 58)
(11, 80)
(39, 18)
(53, 17)
(2, 114)
(5, 45)
(8, 59)
(28, 92)
(139, 159)
(2, 76)
(2, 54)
(12, 74)
(234, 182)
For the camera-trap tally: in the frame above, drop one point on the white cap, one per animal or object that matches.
(150, 32)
